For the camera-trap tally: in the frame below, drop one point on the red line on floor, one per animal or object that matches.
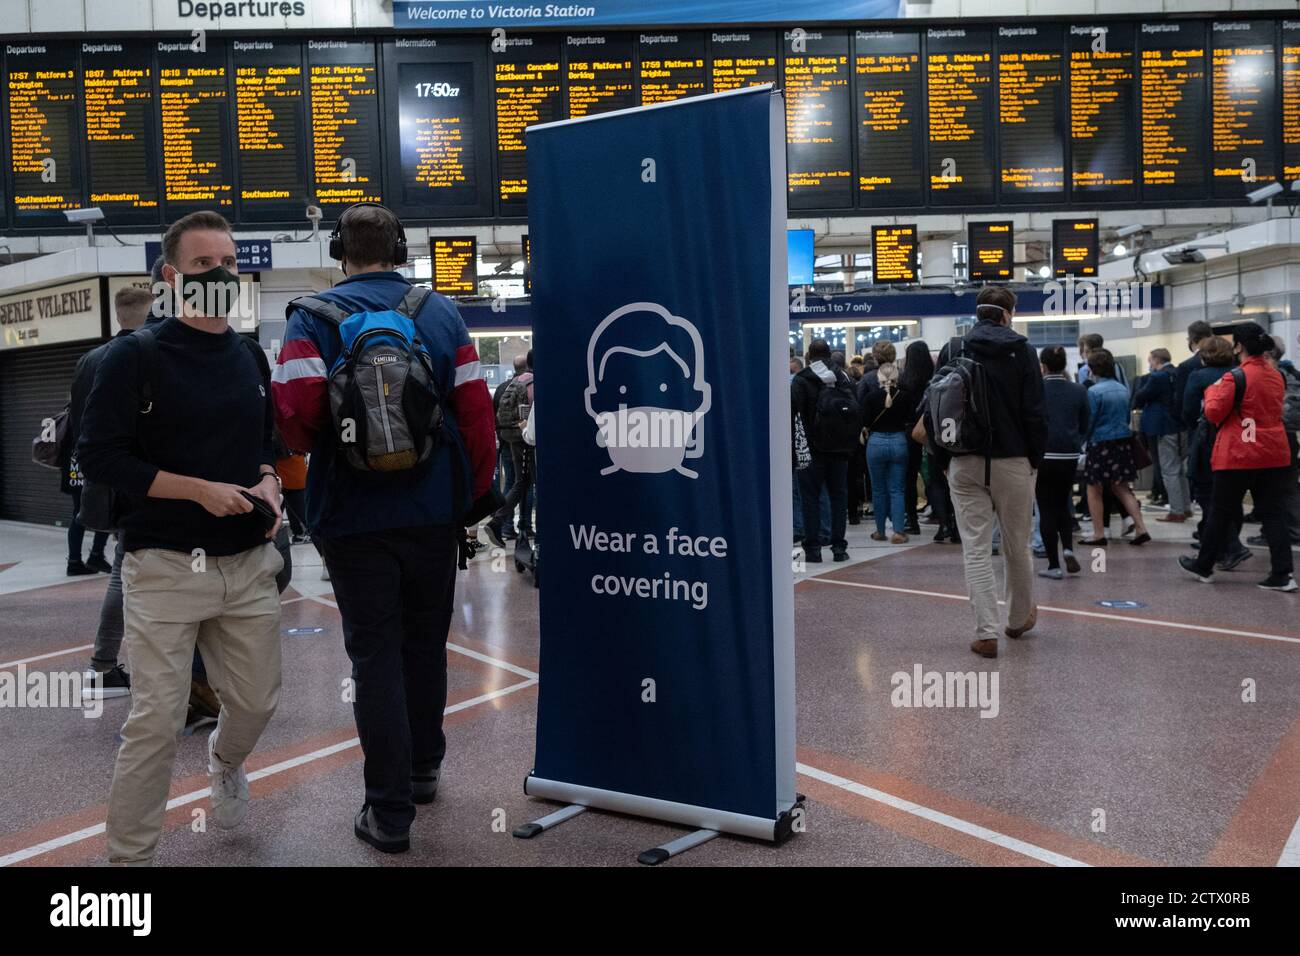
(1258, 831)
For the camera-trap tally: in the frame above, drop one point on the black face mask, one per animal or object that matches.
(214, 292)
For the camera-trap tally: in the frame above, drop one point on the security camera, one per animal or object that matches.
(1264, 192)
(1125, 231)
(93, 214)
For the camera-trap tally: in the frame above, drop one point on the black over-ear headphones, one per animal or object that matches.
(336, 237)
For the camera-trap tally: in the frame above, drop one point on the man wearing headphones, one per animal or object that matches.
(389, 540)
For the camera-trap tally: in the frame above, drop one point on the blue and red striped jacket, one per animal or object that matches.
(341, 501)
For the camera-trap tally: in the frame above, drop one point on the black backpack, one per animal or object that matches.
(837, 417)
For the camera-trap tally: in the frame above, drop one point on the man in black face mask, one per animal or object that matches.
(179, 420)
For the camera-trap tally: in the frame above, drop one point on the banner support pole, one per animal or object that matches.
(666, 851)
(527, 831)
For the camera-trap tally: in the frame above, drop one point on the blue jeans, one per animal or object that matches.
(887, 462)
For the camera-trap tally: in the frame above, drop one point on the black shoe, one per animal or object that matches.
(101, 685)
(367, 830)
(424, 786)
(854, 519)
(1071, 562)
(1141, 539)
(1094, 543)
(840, 554)
(1189, 565)
(78, 567)
(912, 528)
(812, 555)
(97, 563)
(493, 531)
(1231, 562)
(1255, 540)
(1278, 582)
(942, 534)
(1251, 518)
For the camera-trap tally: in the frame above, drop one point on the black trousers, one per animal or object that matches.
(395, 591)
(1055, 514)
(1268, 488)
(857, 479)
(830, 471)
(909, 481)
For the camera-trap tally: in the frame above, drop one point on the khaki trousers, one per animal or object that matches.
(1009, 496)
(230, 607)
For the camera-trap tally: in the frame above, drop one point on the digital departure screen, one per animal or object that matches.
(600, 73)
(1291, 100)
(1172, 84)
(1103, 158)
(672, 66)
(343, 100)
(1074, 248)
(990, 251)
(1031, 103)
(42, 122)
(526, 90)
(959, 81)
(1243, 87)
(269, 129)
(443, 167)
(888, 98)
(893, 254)
(455, 264)
(121, 130)
(743, 59)
(194, 126)
(819, 148)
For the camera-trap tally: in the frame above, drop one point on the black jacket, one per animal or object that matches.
(804, 389)
(1016, 406)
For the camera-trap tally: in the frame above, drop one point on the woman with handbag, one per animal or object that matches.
(1113, 456)
(886, 414)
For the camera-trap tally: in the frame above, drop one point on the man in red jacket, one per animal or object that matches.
(1251, 453)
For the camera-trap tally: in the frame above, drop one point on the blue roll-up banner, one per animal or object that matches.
(663, 453)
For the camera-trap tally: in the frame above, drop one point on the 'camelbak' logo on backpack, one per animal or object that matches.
(383, 399)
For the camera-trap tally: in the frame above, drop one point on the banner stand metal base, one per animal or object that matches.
(527, 831)
(666, 851)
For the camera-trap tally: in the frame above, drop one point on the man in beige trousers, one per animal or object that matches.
(179, 423)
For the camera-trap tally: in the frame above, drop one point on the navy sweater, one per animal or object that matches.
(1067, 416)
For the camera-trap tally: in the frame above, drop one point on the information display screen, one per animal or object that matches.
(438, 155)
(42, 125)
(819, 148)
(888, 97)
(1074, 248)
(270, 137)
(121, 130)
(1031, 109)
(527, 90)
(1243, 83)
(959, 86)
(893, 254)
(455, 265)
(601, 74)
(343, 103)
(1102, 143)
(1291, 100)
(672, 66)
(194, 126)
(990, 251)
(1172, 83)
(747, 58)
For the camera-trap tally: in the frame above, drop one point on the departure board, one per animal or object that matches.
(269, 130)
(893, 254)
(990, 251)
(1074, 248)
(121, 130)
(1171, 79)
(455, 264)
(344, 160)
(1243, 83)
(888, 100)
(1291, 100)
(1031, 104)
(746, 58)
(959, 83)
(527, 90)
(42, 121)
(819, 147)
(439, 156)
(601, 74)
(194, 127)
(1103, 160)
(672, 66)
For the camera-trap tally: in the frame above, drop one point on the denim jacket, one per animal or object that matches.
(1108, 403)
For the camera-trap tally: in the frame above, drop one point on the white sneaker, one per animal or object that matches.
(229, 791)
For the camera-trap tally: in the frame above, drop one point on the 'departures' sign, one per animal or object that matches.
(63, 313)
(658, 244)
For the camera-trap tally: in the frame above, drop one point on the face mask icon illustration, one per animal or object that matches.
(646, 390)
